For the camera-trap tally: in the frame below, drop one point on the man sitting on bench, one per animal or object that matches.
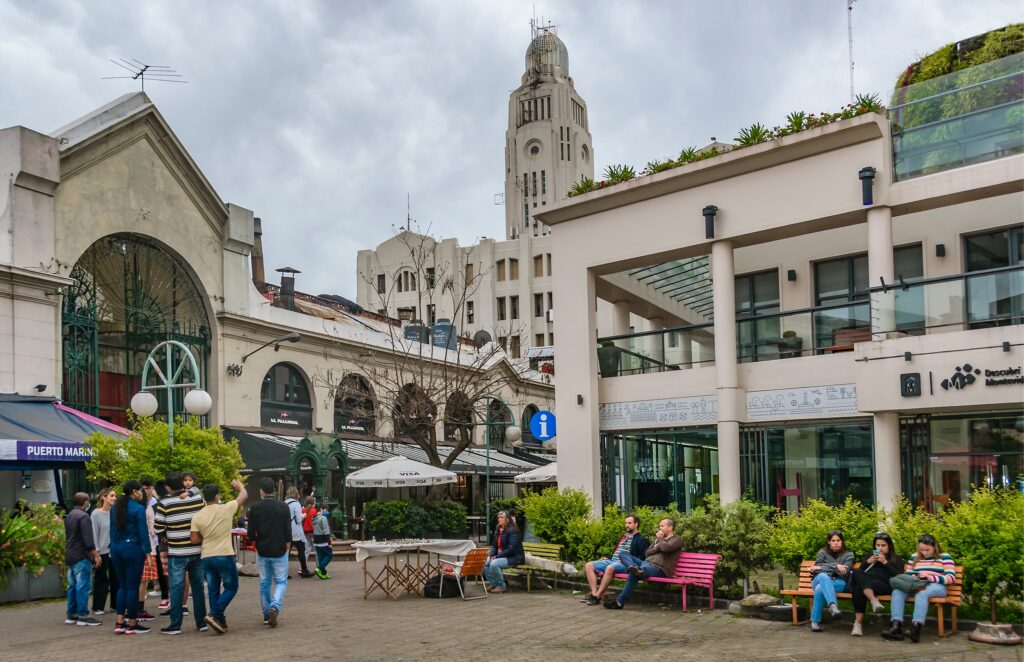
(660, 561)
(631, 542)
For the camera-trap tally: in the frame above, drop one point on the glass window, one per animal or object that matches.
(757, 294)
(995, 299)
(380, 284)
(976, 450)
(500, 268)
(538, 266)
(284, 384)
(538, 305)
(502, 315)
(513, 269)
(513, 304)
(469, 312)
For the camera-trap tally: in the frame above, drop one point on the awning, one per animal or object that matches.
(543, 352)
(545, 474)
(41, 432)
(268, 453)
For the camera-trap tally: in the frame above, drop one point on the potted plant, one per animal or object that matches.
(608, 359)
(790, 344)
(31, 553)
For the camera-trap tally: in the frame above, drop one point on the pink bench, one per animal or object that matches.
(691, 569)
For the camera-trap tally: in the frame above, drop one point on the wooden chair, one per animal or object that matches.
(472, 565)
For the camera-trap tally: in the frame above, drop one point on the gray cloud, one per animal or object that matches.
(321, 116)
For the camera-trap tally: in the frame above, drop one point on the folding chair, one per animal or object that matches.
(470, 566)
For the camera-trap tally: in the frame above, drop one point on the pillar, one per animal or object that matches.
(880, 265)
(888, 477)
(686, 350)
(620, 321)
(724, 292)
(656, 342)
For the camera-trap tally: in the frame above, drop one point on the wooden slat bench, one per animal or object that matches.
(953, 596)
(544, 550)
(694, 569)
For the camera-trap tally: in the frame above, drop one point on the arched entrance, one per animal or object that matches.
(354, 406)
(129, 294)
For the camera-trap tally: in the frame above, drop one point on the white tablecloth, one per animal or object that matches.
(365, 550)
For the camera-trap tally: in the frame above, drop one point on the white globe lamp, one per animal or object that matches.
(513, 434)
(198, 402)
(144, 404)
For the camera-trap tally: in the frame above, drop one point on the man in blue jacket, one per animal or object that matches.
(633, 542)
(506, 552)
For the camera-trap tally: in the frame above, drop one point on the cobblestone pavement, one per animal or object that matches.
(329, 620)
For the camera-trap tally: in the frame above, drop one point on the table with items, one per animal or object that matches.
(408, 564)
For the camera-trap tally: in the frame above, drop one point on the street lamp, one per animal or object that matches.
(512, 435)
(197, 401)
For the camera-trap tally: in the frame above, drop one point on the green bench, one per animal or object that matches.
(543, 550)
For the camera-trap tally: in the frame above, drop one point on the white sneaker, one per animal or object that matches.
(858, 630)
(97, 612)
(153, 594)
(70, 621)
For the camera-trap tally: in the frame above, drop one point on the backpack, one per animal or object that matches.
(432, 588)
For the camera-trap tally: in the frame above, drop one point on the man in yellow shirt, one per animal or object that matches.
(211, 527)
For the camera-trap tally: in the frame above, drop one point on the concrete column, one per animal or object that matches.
(880, 265)
(686, 351)
(724, 292)
(620, 321)
(888, 483)
(656, 343)
(579, 426)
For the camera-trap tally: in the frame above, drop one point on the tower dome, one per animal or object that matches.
(547, 55)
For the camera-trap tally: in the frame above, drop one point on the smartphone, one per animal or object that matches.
(876, 552)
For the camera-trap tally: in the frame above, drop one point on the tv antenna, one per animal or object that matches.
(849, 30)
(141, 71)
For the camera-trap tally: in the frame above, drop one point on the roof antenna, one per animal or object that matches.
(408, 213)
(140, 71)
(849, 30)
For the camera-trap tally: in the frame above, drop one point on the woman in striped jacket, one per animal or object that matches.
(931, 564)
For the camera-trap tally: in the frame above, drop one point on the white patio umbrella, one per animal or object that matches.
(399, 472)
(545, 474)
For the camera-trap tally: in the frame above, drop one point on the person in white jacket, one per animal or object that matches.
(298, 535)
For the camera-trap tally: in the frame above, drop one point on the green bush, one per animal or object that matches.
(551, 510)
(411, 519)
(31, 537)
(448, 517)
(589, 538)
(799, 535)
(984, 534)
(904, 523)
(739, 532)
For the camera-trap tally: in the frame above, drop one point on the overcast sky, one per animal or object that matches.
(321, 116)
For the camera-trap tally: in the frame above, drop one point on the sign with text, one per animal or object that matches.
(277, 417)
(43, 451)
(696, 410)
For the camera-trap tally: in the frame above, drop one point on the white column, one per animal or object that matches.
(656, 342)
(724, 292)
(888, 483)
(880, 265)
(620, 321)
(686, 350)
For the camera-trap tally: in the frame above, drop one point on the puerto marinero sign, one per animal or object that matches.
(27, 450)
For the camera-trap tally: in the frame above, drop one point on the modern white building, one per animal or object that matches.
(838, 312)
(548, 148)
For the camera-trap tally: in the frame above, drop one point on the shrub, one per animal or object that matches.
(551, 510)
(448, 517)
(799, 535)
(983, 534)
(203, 451)
(410, 519)
(904, 523)
(739, 531)
(31, 537)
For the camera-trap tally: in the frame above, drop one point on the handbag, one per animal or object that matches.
(907, 583)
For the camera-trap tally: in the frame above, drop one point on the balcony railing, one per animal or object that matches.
(980, 299)
(972, 115)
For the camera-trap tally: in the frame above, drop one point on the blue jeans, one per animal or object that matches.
(602, 566)
(650, 570)
(899, 601)
(220, 569)
(324, 554)
(128, 559)
(272, 568)
(79, 586)
(492, 572)
(825, 589)
(177, 568)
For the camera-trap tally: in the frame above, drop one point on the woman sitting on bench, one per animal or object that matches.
(937, 570)
(831, 569)
(871, 579)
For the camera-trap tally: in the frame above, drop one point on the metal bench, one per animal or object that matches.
(694, 569)
(953, 596)
(543, 550)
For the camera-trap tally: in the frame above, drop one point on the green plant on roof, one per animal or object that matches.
(754, 134)
(616, 174)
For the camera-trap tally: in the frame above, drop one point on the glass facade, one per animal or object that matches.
(944, 456)
(659, 467)
(785, 465)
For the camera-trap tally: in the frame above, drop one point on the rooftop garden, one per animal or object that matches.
(996, 45)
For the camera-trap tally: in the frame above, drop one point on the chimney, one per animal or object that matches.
(287, 294)
(258, 276)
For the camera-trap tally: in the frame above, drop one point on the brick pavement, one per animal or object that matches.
(329, 620)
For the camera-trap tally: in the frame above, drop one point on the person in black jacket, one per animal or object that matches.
(633, 542)
(506, 552)
(270, 528)
(871, 579)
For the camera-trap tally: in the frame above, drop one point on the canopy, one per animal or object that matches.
(399, 472)
(42, 430)
(545, 474)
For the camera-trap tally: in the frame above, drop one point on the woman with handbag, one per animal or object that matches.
(871, 579)
(830, 572)
(929, 571)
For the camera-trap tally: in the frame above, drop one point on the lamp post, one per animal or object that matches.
(197, 401)
(512, 435)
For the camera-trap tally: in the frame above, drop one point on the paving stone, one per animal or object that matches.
(330, 620)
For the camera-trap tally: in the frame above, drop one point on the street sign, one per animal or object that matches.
(542, 425)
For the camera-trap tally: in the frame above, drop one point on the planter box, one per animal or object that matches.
(22, 586)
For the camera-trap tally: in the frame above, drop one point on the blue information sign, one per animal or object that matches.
(542, 425)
